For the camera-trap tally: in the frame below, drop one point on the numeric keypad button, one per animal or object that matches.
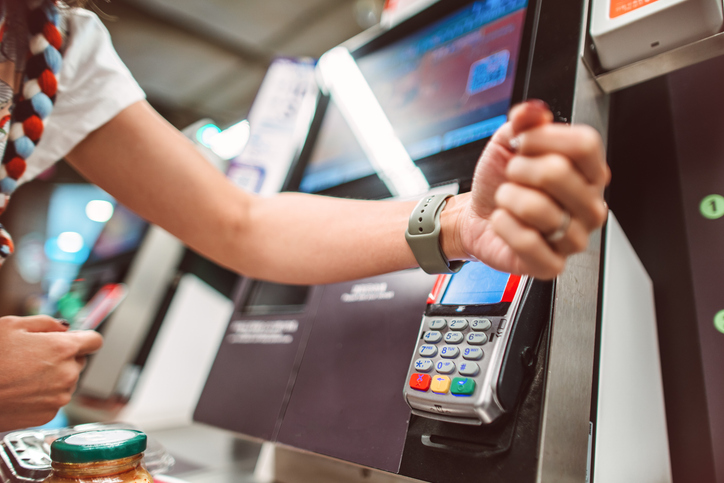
(445, 367)
(481, 324)
(432, 336)
(473, 353)
(458, 324)
(478, 338)
(449, 352)
(469, 369)
(428, 350)
(423, 365)
(453, 337)
(437, 324)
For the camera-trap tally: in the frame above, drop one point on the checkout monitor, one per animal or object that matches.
(445, 79)
(112, 254)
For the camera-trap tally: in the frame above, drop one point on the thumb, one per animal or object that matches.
(43, 323)
(529, 114)
(89, 341)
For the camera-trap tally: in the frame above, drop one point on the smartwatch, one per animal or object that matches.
(423, 235)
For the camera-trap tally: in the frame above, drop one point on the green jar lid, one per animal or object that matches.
(100, 445)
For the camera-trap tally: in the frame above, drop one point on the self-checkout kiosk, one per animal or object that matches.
(480, 376)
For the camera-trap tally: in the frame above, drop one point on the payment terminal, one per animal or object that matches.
(469, 361)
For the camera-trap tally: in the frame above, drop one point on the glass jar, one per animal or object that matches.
(105, 456)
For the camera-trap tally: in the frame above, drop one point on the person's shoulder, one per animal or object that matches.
(78, 14)
(87, 37)
(80, 20)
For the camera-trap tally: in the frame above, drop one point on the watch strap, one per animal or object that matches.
(423, 235)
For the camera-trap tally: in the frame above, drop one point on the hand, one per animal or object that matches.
(521, 194)
(40, 363)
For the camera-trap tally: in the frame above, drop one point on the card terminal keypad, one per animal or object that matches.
(452, 353)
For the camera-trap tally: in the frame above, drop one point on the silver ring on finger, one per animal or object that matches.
(561, 230)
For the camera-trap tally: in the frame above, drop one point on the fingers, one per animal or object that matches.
(580, 144)
(538, 211)
(538, 258)
(41, 363)
(554, 181)
(523, 117)
(88, 341)
(81, 362)
(16, 418)
(555, 176)
(530, 206)
(41, 323)
(529, 114)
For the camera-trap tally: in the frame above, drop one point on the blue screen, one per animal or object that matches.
(441, 87)
(475, 284)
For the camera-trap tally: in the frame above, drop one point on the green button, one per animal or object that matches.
(712, 207)
(719, 321)
(462, 386)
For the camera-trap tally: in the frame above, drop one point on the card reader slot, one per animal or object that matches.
(534, 315)
(474, 449)
(472, 441)
(494, 310)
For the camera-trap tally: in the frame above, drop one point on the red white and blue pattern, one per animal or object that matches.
(32, 103)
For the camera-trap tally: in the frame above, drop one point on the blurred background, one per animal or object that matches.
(207, 58)
(199, 62)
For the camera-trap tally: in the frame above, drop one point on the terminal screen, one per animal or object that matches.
(476, 284)
(441, 87)
(122, 234)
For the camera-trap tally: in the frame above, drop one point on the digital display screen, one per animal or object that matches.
(442, 87)
(121, 234)
(475, 284)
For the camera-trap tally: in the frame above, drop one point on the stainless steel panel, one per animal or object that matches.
(662, 64)
(567, 398)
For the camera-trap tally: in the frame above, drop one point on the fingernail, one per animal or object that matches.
(539, 103)
(514, 144)
(64, 322)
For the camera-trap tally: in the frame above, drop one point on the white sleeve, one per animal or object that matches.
(93, 87)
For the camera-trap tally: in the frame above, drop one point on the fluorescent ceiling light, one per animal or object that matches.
(228, 143)
(206, 132)
(341, 76)
(70, 242)
(99, 210)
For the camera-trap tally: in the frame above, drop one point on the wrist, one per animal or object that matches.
(424, 232)
(451, 220)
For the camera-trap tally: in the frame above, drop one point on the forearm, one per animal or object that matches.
(294, 238)
(308, 239)
(298, 238)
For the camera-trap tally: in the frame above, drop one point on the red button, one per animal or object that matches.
(421, 382)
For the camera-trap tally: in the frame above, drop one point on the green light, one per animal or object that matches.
(712, 207)
(719, 321)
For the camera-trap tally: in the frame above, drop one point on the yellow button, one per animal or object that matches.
(440, 384)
